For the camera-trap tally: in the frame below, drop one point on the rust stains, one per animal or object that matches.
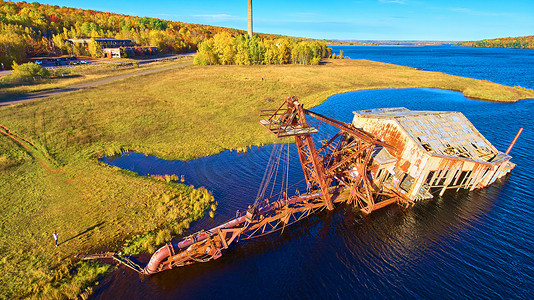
(434, 150)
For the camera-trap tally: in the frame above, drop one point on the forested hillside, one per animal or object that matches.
(522, 42)
(33, 29)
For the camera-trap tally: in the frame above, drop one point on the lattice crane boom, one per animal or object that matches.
(344, 160)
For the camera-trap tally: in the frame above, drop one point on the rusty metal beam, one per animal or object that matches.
(310, 160)
(514, 140)
(350, 129)
(329, 142)
(290, 119)
(348, 158)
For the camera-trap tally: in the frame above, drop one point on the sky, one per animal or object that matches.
(437, 20)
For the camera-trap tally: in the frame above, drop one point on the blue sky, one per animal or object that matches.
(346, 20)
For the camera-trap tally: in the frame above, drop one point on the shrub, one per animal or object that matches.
(28, 70)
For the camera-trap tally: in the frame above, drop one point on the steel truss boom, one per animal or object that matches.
(338, 172)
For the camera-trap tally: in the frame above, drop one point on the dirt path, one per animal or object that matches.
(27, 145)
(42, 95)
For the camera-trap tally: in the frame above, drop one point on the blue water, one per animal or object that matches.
(462, 245)
(505, 66)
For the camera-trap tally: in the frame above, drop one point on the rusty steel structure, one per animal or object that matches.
(336, 171)
(369, 164)
(437, 150)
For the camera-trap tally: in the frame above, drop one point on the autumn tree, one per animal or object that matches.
(224, 47)
(95, 50)
(272, 52)
(285, 46)
(206, 54)
(59, 43)
(12, 49)
(256, 51)
(41, 29)
(242, 50)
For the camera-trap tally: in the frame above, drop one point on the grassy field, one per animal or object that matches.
(53, 180)
(65, 77)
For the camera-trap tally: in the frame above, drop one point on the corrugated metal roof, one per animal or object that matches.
(447, 133)
(382, 156)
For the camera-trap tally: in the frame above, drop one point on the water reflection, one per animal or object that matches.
(465, 244)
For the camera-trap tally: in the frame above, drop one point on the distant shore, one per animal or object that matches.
(56, 182)
(392, 43)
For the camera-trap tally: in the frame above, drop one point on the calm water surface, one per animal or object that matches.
(465, 244)
(505, 66)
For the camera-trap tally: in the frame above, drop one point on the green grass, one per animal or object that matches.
(67, 77)
(178, 113)
(91, 205)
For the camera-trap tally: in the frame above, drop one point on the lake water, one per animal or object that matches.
(465, 244)
(505, 66)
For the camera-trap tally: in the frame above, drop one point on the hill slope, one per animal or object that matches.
(33, 29)
(522, 42)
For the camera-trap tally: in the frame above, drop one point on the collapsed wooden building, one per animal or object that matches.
(433, 150)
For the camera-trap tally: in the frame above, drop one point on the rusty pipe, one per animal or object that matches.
(515, 140)
(154, 264)
(164, 252)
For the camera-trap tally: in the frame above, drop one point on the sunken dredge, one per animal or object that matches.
(386, 156)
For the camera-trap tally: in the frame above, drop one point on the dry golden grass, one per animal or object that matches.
(197, 111)
(77, 75)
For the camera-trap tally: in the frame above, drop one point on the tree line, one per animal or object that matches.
(33, 29)
(226, 49)
(523, 42)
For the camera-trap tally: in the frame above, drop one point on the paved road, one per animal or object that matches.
(42, 95)
(96, 61)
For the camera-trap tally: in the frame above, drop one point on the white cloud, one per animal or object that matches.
(477, 12)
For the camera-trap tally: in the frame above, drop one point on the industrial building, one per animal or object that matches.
(433, 150)
(114, 48)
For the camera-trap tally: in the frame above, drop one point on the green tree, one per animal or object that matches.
(256, 51)
(242, 56)
(28, 70)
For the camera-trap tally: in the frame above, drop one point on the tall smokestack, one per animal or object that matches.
(250, 18)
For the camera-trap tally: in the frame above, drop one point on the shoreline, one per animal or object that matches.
(39, 95)
(382, 45)
(122, 282)
(170, 114)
